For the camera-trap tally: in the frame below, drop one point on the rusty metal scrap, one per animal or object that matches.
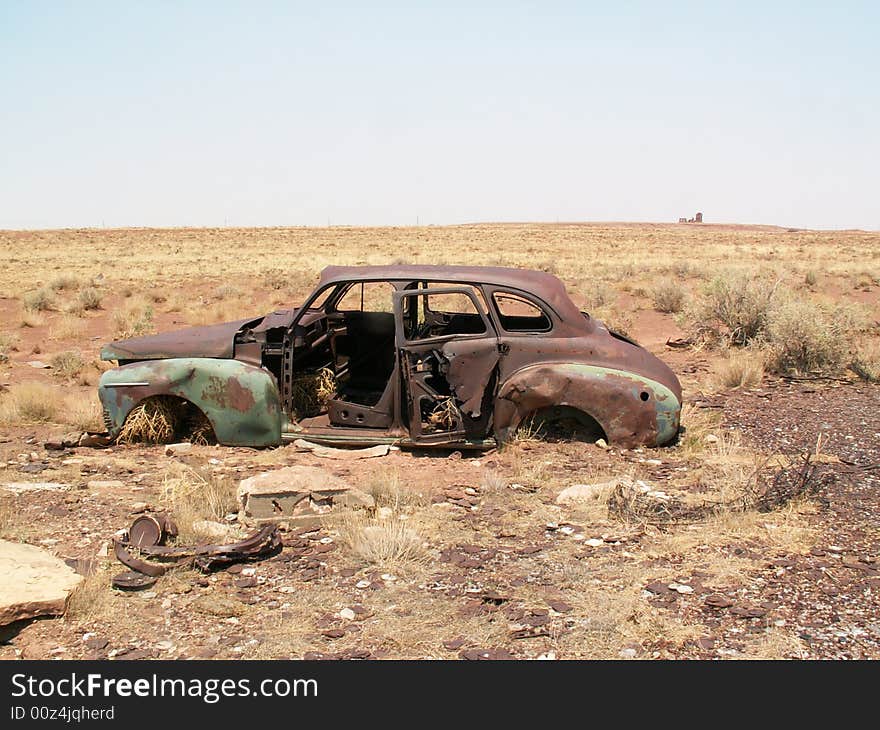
(139, 542)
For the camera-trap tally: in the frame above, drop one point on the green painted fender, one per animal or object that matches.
(633, 410)
(241, 401)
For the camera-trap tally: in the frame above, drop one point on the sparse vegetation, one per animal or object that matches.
(132, 319)
(152, 421)
(668, 296)
(82, 412)
(64, 282)
(40, 300)
(194, 496)
(28, 402)
(68, 364)
(388, 543)
(90, 298)
(742, 369)
(735, 307)
(804, 337)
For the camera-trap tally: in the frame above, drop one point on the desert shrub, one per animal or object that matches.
(31, 319)
(810, 278)
(40, 300)
(804, 337)
(90, 298)
(668, 297)
(29, 402)
(67, 327)
(67, 364)
(134, 318)
(64, 281)
(735, 307)
(227, 291)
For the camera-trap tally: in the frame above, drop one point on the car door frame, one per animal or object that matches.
(413, 388)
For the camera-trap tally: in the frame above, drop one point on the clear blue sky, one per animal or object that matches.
(288, 113)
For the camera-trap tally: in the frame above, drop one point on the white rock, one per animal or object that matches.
(347, 614)
(184, 447)
(210, 530)
(106, 484)
(248, 572)
(362, 584)
(681, 588)
(602, 443)
(710, 438)
(628, 653)
(546, 656)
(583, 492)
(19, 487)
(594, 542)
(32, 582)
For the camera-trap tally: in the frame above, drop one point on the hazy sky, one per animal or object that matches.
(287, 113)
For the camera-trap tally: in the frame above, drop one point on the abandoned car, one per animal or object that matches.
(452, 356)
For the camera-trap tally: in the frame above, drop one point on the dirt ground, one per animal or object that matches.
(496, 567)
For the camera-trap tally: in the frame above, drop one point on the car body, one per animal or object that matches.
(452, 356)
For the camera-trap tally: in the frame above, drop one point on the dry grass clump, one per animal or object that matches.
(66, 327)
(82, 412)
(385, 542)
(866, 363)
(94, 597)
(90, 298)
(133, 319)
(742, 369)
(29, 402)
(227, 291)
(31, 319)
(64, 282)
(193, 496)
(311, 391)
(40, 300)
(204, 313)
(8, 341)
(152, 421)
(387, 489)
(668, 297)
(68, 364)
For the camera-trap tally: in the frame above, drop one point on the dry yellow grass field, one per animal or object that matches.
(63, 294)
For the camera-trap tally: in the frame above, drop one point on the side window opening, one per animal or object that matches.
(442, 314)
(517, 314)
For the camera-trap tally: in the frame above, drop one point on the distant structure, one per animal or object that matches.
(698, 218)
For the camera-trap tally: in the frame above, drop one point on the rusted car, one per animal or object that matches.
(452, 356)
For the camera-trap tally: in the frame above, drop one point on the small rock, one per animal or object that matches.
(594, 542)
(710, 438)
(105, 484)
(347, 614)
(38, 364)
(628, 653)
(681, 588)
(602, 443)
(384, 513)
(184, 447)
(138, 507)
(583, 492)
(362, 584)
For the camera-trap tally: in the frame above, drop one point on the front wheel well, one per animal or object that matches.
(162, 419)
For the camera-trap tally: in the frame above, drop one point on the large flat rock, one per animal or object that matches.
(297, 492)
(32, 582)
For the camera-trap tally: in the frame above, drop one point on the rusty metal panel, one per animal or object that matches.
(241, 401)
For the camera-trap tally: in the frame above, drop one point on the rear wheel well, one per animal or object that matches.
(561, 423)
(162, 419)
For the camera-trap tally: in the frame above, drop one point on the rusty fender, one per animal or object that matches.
(631, 409)
(241, 401)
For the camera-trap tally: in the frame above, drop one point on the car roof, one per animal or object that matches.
(543, 285)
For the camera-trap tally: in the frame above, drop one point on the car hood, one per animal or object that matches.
(215, 340)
